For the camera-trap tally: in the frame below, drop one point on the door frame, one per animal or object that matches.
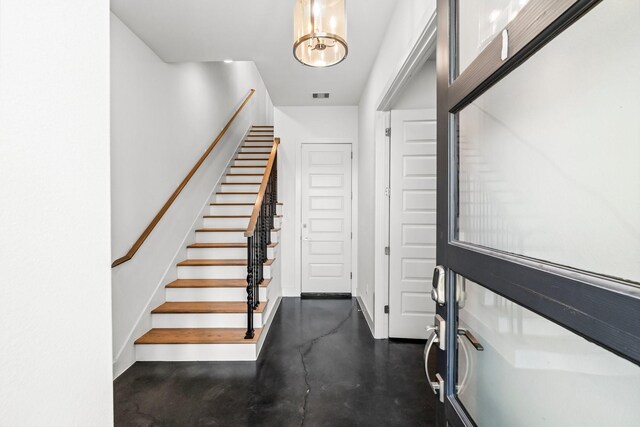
(354, 206)
(569, 297)
(423, 47)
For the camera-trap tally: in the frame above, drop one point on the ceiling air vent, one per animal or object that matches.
(324, 95)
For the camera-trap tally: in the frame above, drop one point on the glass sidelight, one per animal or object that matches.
(554, 175)
(533, 372)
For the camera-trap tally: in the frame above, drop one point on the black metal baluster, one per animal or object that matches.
(258, 244)
(258, 259)
(250, 280)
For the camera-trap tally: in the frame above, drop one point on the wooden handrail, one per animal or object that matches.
(147, 231)
(263, 187)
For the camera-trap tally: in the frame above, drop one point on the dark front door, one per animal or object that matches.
(538, 229)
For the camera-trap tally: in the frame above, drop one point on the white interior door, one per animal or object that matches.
(412, 222)
(326, 218)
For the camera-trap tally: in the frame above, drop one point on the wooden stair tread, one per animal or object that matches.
(213, 283)
(242, 166)
(237, 192)
(255, 152)
(227, 216)
(220, 230)
(244, 174)
(234, 216)
(225, 230)
(223, 245)
(198, 336)
(206, 307)
(241, 183)
(217, 262)
(237, 204)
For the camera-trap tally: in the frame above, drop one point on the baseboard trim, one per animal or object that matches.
(366, 314)
(322, 295)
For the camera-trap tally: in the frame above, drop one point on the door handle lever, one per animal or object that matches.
(472, 339)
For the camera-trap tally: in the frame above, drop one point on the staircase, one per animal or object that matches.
(205, 313)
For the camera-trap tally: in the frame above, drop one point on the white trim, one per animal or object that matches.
(381, 225)
(423, 47)
(292, 292)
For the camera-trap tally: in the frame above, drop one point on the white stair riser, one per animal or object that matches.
(253, 143)
(210, 294)
(227, 237)
(251, 179)
(259, 149)
(253, 156)
(230, 209)
(256, 163)
(217, 272)
(236, 209)
(204, 320)
(194, 352)
(247, 170)
(233, 222)
(247, 188)
(223, 253)
(226, 222)
(236, 198)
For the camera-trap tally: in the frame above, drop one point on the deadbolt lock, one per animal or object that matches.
(438, 291)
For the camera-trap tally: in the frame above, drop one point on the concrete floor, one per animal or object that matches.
(319, 366)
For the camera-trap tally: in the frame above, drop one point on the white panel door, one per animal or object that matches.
(412, 222)
(326, 218)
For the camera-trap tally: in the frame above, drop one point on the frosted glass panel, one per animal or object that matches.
(533, 372)
(550, 155)
(478, 23)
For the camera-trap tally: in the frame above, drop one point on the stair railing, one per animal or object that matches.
(258, 234)
(147, 231)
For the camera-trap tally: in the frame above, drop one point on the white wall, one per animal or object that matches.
(295, 126)
(408, 21)
(163, 117)
(420, 91)
(55, 317)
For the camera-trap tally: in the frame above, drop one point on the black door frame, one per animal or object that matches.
(602, 309)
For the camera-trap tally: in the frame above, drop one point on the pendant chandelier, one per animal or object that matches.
(320, 32)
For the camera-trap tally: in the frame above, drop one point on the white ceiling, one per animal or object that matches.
(260, 31)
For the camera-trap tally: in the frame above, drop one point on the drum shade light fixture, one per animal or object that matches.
(320, 32)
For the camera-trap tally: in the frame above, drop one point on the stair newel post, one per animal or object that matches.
(250, 287)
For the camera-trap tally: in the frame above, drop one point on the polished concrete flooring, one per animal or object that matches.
(319, 366)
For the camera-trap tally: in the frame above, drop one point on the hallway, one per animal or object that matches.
(323, 346)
